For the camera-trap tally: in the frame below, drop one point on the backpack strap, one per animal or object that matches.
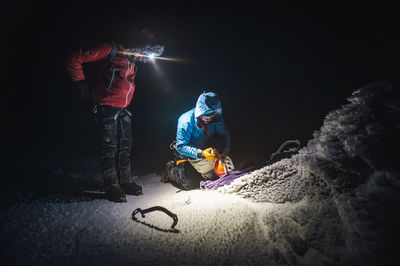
(109, 60)
(113, 53)
(133, 62)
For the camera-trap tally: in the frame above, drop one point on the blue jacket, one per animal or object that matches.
(192, 134)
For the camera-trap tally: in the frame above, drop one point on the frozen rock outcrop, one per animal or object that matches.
(354, 142)
(342, 189)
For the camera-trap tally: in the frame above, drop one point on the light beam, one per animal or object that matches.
(153, 57)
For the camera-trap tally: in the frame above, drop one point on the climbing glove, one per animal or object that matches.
(207, 154)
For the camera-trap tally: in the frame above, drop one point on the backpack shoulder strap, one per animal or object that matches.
(109, 60)
(133, 62)
(113, 53)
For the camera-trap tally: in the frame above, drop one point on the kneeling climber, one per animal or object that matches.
(201, 139)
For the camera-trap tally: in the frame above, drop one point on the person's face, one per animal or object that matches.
(207, 118)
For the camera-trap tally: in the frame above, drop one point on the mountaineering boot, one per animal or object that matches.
(115, 193)
(131, 188)
(165, 175)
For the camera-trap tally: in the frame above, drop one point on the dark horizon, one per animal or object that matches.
(277, 69)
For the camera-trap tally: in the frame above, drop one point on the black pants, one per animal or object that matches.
(115, 127)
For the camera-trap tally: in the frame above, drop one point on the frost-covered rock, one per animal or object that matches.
(353, 142)
(346, 181)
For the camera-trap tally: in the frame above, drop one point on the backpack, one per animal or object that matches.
(109, 61)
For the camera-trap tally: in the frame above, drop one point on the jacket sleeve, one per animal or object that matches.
(76, 59)
(183, 136)
(221, 129)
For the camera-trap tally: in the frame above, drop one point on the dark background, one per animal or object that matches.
(278, 69)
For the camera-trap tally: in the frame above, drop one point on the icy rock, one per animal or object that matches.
(344, 185)
(346, 149)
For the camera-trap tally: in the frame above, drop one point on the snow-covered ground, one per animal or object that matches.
(214, 228)
(336, 202)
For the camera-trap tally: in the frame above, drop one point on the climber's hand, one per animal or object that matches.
(207, 154)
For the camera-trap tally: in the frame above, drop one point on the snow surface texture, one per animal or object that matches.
(344, 184)
(336, 202)
(214, 229)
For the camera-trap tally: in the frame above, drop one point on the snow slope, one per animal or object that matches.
(334, 203)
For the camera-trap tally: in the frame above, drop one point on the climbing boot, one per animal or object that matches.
(131, 188)
(115, 193)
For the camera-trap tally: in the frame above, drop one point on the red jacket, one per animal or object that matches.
(122, 87)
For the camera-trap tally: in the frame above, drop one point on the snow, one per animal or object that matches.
(336, 202)
(214, 228)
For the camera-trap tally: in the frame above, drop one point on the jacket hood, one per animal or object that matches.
(206, 103)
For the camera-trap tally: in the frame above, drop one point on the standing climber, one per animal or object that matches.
(201, 138)
(112, 89)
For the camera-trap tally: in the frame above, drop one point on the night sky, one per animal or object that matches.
(278, 69)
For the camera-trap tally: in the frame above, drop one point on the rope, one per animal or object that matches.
(231, 176)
